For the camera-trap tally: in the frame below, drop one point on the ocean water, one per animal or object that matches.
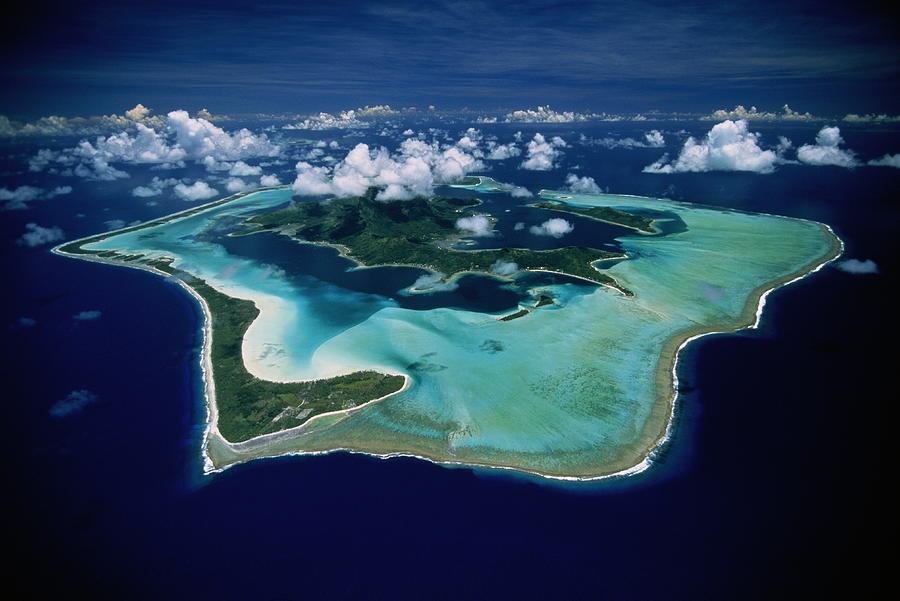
(771, 487)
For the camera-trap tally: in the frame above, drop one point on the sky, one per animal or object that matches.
(70, 59)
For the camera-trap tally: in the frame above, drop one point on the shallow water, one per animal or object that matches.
(569, 389)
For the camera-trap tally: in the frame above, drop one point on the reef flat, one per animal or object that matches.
(583, 387)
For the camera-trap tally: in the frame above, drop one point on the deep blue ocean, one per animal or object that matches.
(774, 485)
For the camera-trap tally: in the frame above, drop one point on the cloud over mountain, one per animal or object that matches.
(412, 171)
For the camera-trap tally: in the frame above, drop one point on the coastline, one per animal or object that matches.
(657, 428)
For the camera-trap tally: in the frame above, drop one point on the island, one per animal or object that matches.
(578, 383)
(420, 232)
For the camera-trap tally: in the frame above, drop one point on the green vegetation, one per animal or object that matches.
(543, 301)
(416, 232)
(249, 406)
(516, 315)
(607, 214)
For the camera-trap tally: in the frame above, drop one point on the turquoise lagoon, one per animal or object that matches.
(582, 388)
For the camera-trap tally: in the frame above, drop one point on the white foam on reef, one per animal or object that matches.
(566, 381)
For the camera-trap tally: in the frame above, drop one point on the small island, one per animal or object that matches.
(300, 365)
(420, 233)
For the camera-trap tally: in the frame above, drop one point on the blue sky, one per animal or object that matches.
(233, 57)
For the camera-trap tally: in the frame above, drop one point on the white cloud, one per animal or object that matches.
(739, 112)
(826, 150)
(871, 118)
(345, 119)
(413, 171)
(728, 146)
(35, 235)
(652, 139)
(138, 113)
(199, 138)
(154, 188)
(21, 196)
(267, 181)
(542, 155)
(196, 139)
(199, 190)
(501, 267)
(888, 160)
(500, 152)
(544, 114)
(236, 184)
(433, 282)
(555, 227)
(79, 126)
(655, 139)
(516, 191)
(477, 226)
(857, 267)
(582, 185)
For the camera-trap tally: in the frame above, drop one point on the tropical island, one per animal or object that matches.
(420, 232)
(302, 366)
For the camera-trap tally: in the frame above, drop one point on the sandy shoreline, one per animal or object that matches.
(657, 428)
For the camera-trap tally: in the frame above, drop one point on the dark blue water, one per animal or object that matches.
(776, 485)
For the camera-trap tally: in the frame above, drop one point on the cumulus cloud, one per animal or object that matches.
(501, 267)
(501, 152)
(857, 267)
(87, 315)
(477, 226)
(542, 155)
(412, 171)
(433, 282)
(888, 160)
(739, 112)
(267, 181)
(582, 185)
(186, 138)
(21, 196)
(827, 150)
(345, 119)
(652, 139)
(154, 188)
(74, 402)
(871, 118)
(199, 190)
(544, 114)
(79, 126)
(35, 235)
(555, 227)
(236, 184)
(242, 169)
(516, 191)
(729, 146)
